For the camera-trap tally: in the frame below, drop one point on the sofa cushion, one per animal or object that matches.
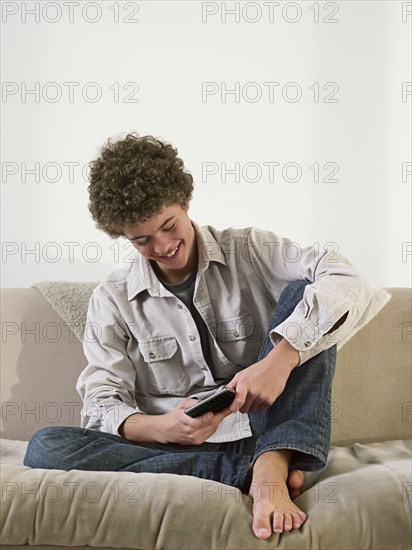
(362, 499)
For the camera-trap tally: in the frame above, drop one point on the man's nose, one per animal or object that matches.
(161, 247)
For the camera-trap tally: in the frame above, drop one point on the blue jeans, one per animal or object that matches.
(299, 419)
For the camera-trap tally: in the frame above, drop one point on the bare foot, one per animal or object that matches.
(295, 483)
(273, 510)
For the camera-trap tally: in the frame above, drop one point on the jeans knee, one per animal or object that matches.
(291, 295)
(40, 445)
(294, 290)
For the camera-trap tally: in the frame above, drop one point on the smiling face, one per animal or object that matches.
(169, 241)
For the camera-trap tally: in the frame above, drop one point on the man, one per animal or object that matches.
(195, 309)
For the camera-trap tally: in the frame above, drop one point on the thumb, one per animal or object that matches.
(233, 383)
(240, 398)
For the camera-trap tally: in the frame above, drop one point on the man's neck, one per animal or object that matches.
(172, 277)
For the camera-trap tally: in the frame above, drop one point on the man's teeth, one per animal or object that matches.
(172, 253)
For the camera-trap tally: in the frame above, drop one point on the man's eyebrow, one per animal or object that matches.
(145, 236)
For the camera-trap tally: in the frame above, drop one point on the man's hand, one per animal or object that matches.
(175, 427)
(258, 386)
(180, 428)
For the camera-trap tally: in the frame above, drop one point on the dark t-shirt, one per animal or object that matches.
(185, 291)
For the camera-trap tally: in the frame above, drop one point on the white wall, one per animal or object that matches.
(169, 53)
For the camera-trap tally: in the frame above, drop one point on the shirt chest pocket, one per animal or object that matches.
(238, 339)
(165, 370)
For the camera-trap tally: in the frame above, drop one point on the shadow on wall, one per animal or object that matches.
(41, 361)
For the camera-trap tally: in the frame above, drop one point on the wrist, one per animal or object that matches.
(142, 428)
(161, 428)
(292, 352)
(284, 354)
(126, 428)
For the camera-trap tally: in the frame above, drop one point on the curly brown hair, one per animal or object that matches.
(133, 179)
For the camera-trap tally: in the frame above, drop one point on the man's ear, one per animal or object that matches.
(186, 207)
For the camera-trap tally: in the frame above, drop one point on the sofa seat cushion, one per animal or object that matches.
(362, 499)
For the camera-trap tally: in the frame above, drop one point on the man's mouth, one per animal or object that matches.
(172, 254)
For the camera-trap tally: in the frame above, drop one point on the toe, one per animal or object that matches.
(297, 521)
(262, 532)
(296, 479)
(302, 515)
(261, 526)
(278, 522)
(287, 522)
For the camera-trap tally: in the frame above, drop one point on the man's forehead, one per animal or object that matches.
(153, 223)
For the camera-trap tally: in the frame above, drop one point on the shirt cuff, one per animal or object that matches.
(300, 335)
(310, 338)
(116, 416)
(306, 337)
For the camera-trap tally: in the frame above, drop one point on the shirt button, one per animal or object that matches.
(236, 335)
(152, 355)
(307, 344)
(192, 337)
(179, 306)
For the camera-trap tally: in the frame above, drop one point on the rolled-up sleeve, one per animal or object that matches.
(336, 290)
(107, 384)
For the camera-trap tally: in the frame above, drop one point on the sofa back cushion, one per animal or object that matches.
(41, 359)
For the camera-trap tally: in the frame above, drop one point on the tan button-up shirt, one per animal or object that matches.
(142, 345)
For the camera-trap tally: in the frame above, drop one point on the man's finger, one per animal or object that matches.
(239, 399)
(249, 405)
(187, 402)
(223, 413)
(207, 417)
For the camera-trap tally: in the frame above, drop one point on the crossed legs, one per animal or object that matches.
(292, 434)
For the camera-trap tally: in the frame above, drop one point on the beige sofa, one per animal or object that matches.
(361, 500)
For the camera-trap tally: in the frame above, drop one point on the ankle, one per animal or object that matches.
(281, 456)
(274, 462)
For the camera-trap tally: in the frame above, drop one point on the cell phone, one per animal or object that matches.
(221, 399)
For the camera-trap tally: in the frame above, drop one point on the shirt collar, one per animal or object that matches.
(142, 276)
(208, 248)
